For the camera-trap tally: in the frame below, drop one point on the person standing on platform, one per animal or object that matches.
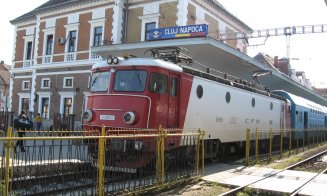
(21, 124)
(38, 121)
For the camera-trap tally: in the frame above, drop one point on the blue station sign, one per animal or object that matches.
(177, 32)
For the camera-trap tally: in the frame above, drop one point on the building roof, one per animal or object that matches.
(280, 64)
(51, 4)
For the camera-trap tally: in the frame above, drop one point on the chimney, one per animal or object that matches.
(2, 62)
(276, 61)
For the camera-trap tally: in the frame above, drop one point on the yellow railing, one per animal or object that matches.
(269, 143)
(162, 138)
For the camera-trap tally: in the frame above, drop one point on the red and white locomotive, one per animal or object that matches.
(141, 93)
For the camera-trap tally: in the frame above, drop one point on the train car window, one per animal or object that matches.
(253, 102)
(227, 97)
(100, 81)
(173, 87)
(158, 83)
(199, 91)
(130, 80)
(271, 106)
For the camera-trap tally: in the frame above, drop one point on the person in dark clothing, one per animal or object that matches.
(22, 123)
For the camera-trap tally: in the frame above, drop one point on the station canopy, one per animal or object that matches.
(218, 56)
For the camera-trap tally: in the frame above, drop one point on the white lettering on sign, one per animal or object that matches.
(183, 30)
(107, 117)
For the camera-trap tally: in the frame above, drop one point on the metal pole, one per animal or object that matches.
(197, 157)
(247, 147)
(101, 155)
(8, 148)
(158, 157)
(203, 132)
(256, 144)
(163, 135)
(270, 144)
(281, 142)
(290, 146)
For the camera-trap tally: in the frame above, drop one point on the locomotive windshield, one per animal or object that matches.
(100, 81)
(130, 80)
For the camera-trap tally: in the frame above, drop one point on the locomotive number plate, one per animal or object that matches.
(107, 117)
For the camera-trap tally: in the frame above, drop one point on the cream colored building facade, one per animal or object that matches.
(53, 55)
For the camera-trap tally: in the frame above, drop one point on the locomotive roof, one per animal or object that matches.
(301, 101)
(140, 61)
(226, 79)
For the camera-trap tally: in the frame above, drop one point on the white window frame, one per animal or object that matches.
(23, 85)
(69, 28)
(64, 95)
(21, 96)
(148, 19)
(48, 58)
(64, 82)
(95, 23)
(27, 39)
(44, 95)
(42, 83)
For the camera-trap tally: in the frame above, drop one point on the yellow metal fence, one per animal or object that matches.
(268, 145)
(98, 162)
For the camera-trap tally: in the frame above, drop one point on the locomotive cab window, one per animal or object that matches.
(100, 81)
(158, 83)
(130, 80)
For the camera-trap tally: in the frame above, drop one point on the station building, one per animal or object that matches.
(52, 54)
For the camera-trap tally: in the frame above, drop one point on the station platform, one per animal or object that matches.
(284, 182)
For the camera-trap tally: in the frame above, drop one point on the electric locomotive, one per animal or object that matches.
(145, 93)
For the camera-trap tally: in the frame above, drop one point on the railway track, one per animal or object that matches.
(292, 167)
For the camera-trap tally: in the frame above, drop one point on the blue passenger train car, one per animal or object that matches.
(305, 114)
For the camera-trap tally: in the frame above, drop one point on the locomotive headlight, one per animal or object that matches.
(138, 145)
(115, 60)
(87, 116)
(129, 118)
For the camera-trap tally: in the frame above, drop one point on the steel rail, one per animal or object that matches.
(240, 188)
(298, 190)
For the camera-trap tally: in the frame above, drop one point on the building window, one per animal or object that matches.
(25, 102)
(68, 102)
(97, 37)
(45, 107)
(28, 51)
(149, 26)
(45, 83)
(72, 41)
(26, 85)
(49, 45)
(68, 82)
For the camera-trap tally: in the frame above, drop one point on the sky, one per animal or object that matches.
(11, 10)
(310, 49)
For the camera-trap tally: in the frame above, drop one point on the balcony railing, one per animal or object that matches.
(27, 63)
(70, 57)
(95, 56)
(47, 59)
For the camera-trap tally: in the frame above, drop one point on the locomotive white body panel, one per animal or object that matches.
(229, 121)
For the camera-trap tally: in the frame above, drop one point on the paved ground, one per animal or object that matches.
(216, 174)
